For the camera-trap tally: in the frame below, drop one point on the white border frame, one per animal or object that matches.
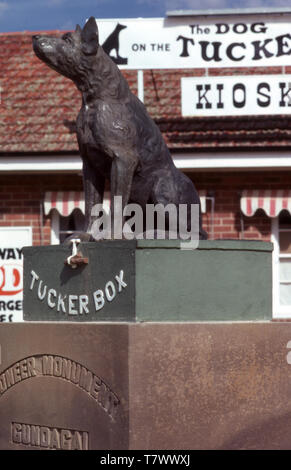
(55, 227)
(275, 267)
(279, 311)
(26, 227)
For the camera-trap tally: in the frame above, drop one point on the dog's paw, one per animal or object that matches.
(203, 235)
(83, 236)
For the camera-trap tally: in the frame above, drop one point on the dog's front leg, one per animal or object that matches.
(122, 172)
(94, 190)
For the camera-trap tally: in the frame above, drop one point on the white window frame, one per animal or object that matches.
(55, 227)
(279, 311)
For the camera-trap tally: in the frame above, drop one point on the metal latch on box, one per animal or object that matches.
(76, 259)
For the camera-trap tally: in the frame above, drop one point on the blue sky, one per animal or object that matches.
(32, 15)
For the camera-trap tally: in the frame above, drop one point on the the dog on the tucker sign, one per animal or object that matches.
(117, 138)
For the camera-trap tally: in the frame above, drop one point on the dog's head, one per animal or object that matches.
(67, 53)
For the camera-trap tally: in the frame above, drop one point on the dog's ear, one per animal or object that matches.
(78, 29)
(90, 39)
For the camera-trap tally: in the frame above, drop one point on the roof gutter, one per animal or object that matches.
(41, 164)
(194, 161)
(230, 12)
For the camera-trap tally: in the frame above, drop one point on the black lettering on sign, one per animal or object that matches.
(231, 47)
(239, 103)
(260, 49)
(202, 96)
(160, 47)
(221, 28)
(219, 87)
(285, 90)
(263, 99)
(186, 41)
(212, 53)
(11, 305)
(196, 29)
(138, 47)
(240, 28)
(10, 253)
(6, 318)
(283, 45)
(258, 28)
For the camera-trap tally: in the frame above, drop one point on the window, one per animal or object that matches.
(63, 227)
(281, 238)
(67, 212)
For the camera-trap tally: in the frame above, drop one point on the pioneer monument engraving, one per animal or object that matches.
(58, 390)
(118, 140)
(65, 369)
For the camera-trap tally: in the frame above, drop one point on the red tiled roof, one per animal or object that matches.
(241, 132)
(38, 108)
(36, 102)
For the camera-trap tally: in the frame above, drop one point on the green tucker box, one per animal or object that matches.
(150, 280)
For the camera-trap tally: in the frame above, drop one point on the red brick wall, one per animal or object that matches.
(227, 186)
(21, 195)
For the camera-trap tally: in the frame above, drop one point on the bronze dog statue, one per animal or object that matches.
(117, 138)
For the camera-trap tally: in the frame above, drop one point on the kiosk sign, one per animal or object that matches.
(236, 96)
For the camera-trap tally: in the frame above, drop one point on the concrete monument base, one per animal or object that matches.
(145, 386)
(129, 358)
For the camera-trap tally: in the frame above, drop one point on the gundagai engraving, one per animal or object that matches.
(48, 437)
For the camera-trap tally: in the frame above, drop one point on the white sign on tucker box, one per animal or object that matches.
(197, 42)
(236, 96)
(12, 240)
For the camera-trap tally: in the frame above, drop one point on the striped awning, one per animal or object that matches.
(271, 201)
(64, 202)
